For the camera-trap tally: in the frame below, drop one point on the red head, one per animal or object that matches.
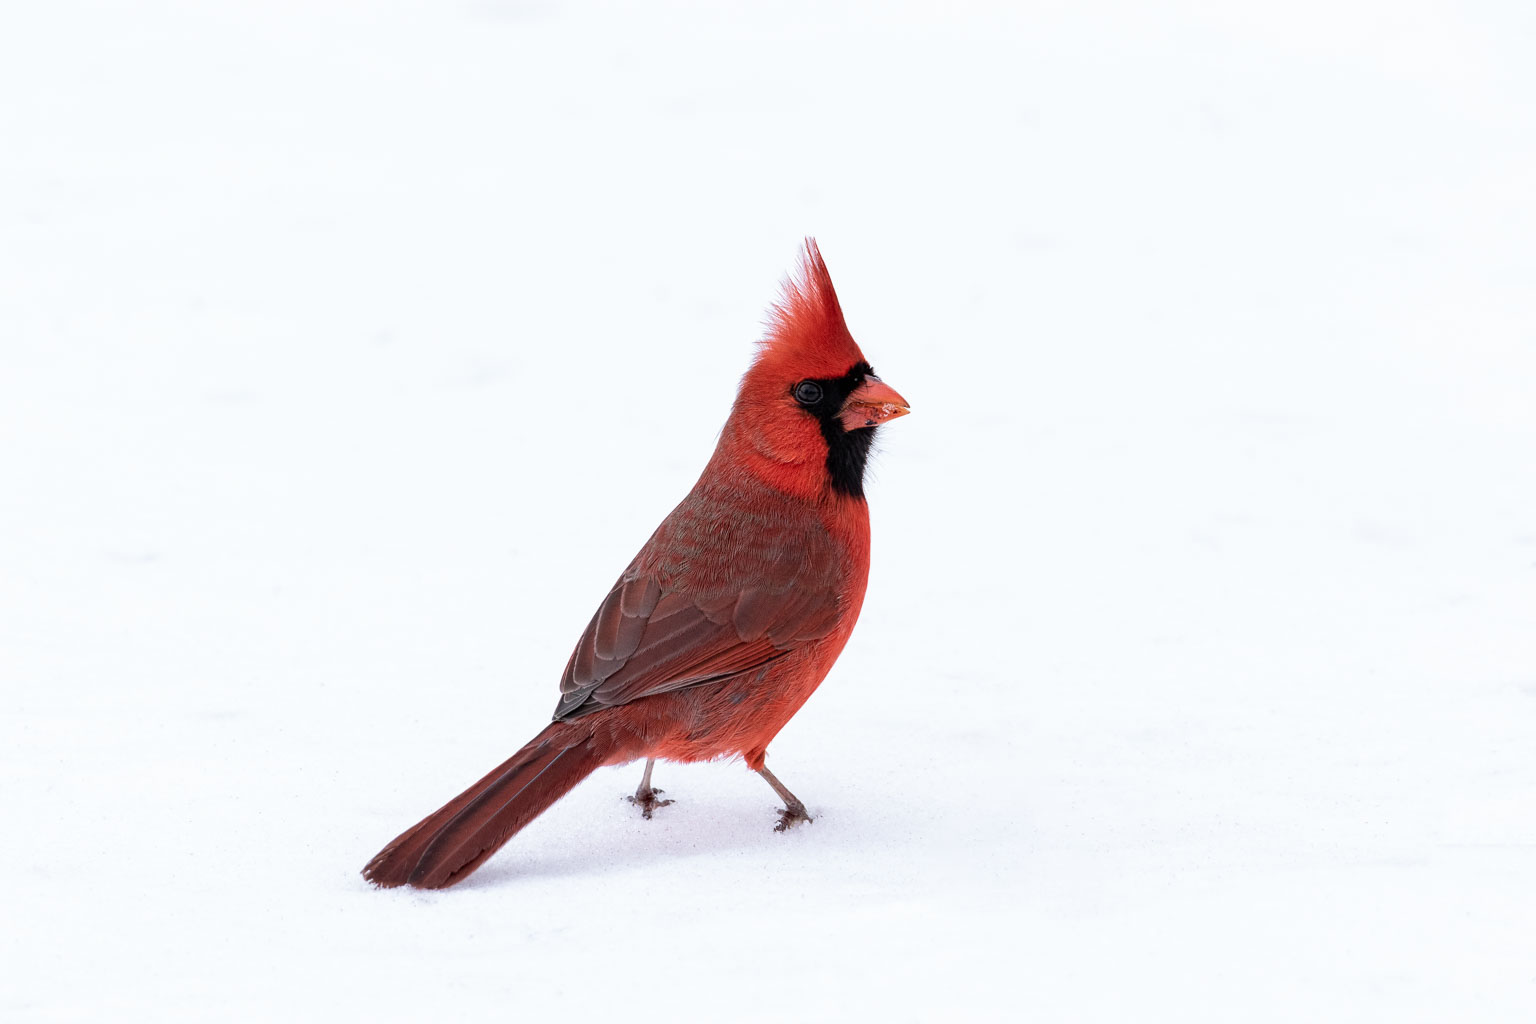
(809, 404)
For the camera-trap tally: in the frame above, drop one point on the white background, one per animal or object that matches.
(350, 350)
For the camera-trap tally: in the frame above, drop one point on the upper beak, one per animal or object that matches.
(871, 404)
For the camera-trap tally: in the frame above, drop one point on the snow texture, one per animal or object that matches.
(350, 350)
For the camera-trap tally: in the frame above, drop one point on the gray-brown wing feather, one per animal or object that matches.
(667, 624)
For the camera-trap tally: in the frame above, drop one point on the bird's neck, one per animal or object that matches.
(824, 466)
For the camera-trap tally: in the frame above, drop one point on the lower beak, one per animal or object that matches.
(871, 404)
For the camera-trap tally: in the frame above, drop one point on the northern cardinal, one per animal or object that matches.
(728, 618)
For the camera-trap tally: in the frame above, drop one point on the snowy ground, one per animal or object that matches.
(347, 351)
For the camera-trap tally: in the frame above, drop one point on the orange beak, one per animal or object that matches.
(871, 404)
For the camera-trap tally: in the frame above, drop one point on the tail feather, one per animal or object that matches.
(448, 844)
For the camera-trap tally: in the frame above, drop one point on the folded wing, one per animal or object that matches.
(646, 639)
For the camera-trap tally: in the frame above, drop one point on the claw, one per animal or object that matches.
(791, 816)
(647, 802)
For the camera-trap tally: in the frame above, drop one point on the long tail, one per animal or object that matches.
(451, 842)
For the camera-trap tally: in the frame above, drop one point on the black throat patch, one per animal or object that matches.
(847, 450)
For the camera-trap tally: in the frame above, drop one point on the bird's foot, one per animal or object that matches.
(645, 799)
(791, 816)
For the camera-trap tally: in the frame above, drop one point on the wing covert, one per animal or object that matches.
(644, 641)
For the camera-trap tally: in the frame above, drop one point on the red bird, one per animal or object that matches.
(729, 617)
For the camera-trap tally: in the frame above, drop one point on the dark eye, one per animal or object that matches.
(807, 392)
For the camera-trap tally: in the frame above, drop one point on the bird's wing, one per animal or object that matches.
(647, 639)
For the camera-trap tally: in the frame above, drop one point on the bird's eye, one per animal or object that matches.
(807, 392)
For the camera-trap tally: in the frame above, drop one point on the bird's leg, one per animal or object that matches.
(645, 796)
(794, 811)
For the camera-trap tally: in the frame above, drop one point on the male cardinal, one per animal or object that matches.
(728, 618)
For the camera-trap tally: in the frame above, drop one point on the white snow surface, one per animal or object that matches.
(351, 350)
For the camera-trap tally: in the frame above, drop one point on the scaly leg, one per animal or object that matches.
(794, 811)
(645, 796)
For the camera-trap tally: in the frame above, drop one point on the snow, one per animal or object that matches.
(350, 350)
